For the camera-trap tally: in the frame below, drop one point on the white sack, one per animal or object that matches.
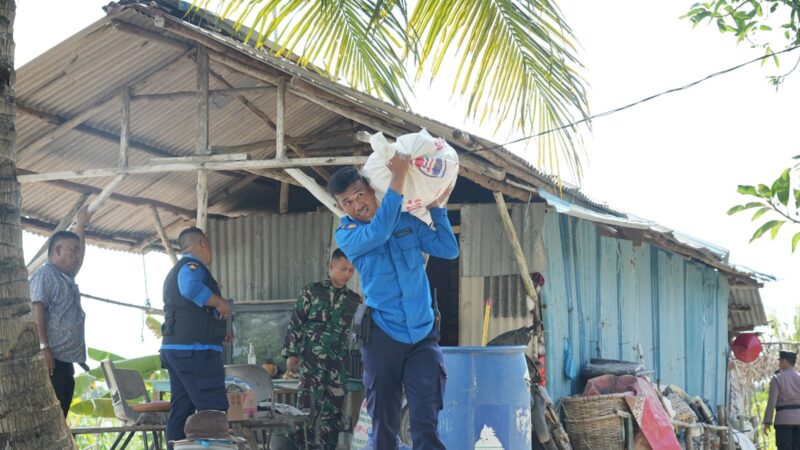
(434, 168)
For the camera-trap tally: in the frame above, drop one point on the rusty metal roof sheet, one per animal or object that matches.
(150, 47)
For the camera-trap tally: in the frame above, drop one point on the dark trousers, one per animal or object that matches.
(63, 383)
(197, 383)
(391, 366)
(787, 437)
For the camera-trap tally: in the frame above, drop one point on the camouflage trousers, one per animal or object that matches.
(322, 393)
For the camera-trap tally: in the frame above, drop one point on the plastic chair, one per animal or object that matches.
(126, 386)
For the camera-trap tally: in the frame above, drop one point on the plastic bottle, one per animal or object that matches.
(251, 355)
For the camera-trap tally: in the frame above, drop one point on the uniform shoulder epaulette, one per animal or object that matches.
(347, 226)
(192, 265)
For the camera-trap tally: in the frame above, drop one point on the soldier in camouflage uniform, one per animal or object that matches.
(317, 341)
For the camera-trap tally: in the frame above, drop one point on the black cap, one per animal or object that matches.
(788, 356)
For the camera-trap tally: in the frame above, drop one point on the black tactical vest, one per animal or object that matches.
(186, 323)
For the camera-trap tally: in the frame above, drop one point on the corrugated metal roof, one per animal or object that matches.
(94, 63)
(746, 309)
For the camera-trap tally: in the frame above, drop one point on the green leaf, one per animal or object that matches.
(154, 325)
(776, 228)
(98, 407)
(101, 355)
(83, 382)
(764, 191)
(760, 213)
(747, 190)
(763, 229)
(797, 198)
(780, 188)
(795, 240)
(739, 208)
(145, 365)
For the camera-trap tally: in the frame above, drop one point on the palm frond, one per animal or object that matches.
(354, 40)
(517, 62)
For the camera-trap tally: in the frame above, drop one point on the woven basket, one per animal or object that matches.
(593, 422)
(683, 411)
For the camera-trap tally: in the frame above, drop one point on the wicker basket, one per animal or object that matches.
(595, 422)
(683, 411)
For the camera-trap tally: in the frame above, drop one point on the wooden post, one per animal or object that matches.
(316, 190)
(125, 126)
(98, 202)
(202, 199)
(201, 143)
(163, 235)
(41, 255)
(280, 120)
(284, 199)
(521, 262)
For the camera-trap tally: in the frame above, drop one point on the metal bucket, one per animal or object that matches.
(487, 400)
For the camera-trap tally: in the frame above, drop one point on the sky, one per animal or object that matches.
(675, 160)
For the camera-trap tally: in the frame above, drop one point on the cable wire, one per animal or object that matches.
(639, 102)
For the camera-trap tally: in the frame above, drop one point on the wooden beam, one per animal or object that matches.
(126, 305)
(316, 190)
(202, 158)
(163, 235)
(147, 241)
(212, 93)
(192, 166)
(202, 199)
(525, 274)
(101, 198)
(201, 141)
(125, 126)
(283, 206)
(280, 120)
(272, 125)
(119, 198)
(62, 225)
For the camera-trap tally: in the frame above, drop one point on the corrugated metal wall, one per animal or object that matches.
(270, 257)
(604, 296)
(489, 269)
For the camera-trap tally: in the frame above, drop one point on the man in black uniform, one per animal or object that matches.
(193, 332)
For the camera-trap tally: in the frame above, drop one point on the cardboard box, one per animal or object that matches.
(235, 406)
(249, 404)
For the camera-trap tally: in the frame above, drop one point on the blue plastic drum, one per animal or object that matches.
(487, 400)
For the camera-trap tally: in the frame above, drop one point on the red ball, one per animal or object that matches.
(746, 347)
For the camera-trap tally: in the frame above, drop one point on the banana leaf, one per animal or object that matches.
(99, 407)
(100, 355)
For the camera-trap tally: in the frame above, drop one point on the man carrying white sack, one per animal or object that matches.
(401, 351)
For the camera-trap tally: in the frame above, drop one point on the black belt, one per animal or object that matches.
(785, 407)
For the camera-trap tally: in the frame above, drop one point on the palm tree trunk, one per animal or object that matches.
(30, 416)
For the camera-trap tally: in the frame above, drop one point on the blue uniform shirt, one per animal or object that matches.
(387, 252)
(191, 285)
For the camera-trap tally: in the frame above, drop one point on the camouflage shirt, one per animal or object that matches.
(321, 322)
